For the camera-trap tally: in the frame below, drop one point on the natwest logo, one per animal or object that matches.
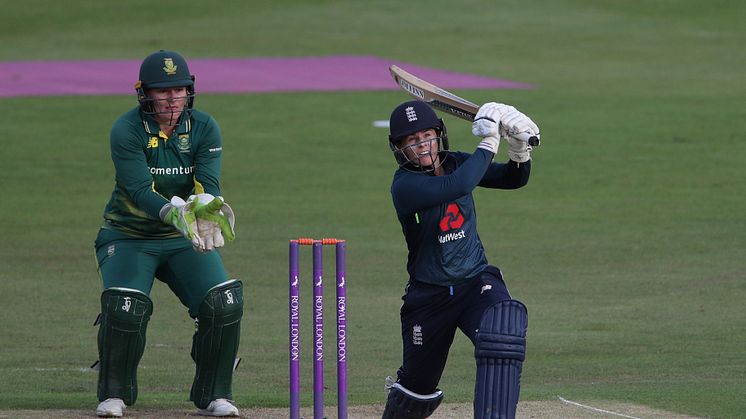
(453, 219)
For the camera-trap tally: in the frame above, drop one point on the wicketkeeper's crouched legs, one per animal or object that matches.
(215, 343)
(500, 350)
(121, 342)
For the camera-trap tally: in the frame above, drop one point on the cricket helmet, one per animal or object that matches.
(163, 69)
(411, 117)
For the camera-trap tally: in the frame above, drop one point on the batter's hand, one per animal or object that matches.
(180, 214)
(487, 120)
(215, 221)
(517, 128)
(487, 125)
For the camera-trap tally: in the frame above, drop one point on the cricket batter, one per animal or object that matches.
(164, 220)
(451, 285)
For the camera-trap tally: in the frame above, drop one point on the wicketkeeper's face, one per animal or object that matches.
(168, 103)
(421, 148)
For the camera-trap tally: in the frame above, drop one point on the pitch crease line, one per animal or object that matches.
(595, 408)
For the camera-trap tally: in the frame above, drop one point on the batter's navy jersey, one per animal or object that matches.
(438, 216)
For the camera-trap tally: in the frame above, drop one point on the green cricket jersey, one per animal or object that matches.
(151, 168)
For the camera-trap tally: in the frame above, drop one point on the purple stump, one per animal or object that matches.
(294, 327)
(318, 330)
(341, 331)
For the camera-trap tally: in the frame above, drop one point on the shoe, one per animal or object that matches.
(220, 407)
(111, 408)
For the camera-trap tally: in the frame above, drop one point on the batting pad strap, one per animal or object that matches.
(494, 345)
(433, 396)
(502, 331)
(403, 403)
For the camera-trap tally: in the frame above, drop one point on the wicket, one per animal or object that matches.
(318, 327)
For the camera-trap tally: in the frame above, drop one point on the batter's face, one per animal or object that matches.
(168, 103)
(421, 148)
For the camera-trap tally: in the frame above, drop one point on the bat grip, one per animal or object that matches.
(532, 140)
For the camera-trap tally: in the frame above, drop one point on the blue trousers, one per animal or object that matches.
(430, 316)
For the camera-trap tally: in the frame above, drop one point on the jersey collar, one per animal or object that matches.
(153, 128)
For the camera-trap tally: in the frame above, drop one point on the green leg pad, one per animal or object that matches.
(121, 342)
(215, 343)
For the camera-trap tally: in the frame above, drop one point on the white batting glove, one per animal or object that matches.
(487, 125)
(215, 221)
(487, 120)
(517, 128)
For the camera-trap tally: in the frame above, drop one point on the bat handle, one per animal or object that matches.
(532, 140)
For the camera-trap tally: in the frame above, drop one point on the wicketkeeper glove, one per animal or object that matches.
(215, 221)
(487, 125)
(517, 128)
(180, 214)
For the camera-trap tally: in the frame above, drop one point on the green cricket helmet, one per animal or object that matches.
(163, 69)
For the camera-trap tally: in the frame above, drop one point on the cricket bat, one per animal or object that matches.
(440, 99)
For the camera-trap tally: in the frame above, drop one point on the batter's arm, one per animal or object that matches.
(510, 175)
(412, 192)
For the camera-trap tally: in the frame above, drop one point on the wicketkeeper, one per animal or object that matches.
(165, 218)
(451, 285)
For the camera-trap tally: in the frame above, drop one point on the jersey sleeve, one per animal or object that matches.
(208, 160)
(413, 192)
(510, 175)
(131, 169)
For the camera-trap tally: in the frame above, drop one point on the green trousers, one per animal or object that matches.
(132, 263)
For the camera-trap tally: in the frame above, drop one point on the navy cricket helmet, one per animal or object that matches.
(163, 69)
(411, 117)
